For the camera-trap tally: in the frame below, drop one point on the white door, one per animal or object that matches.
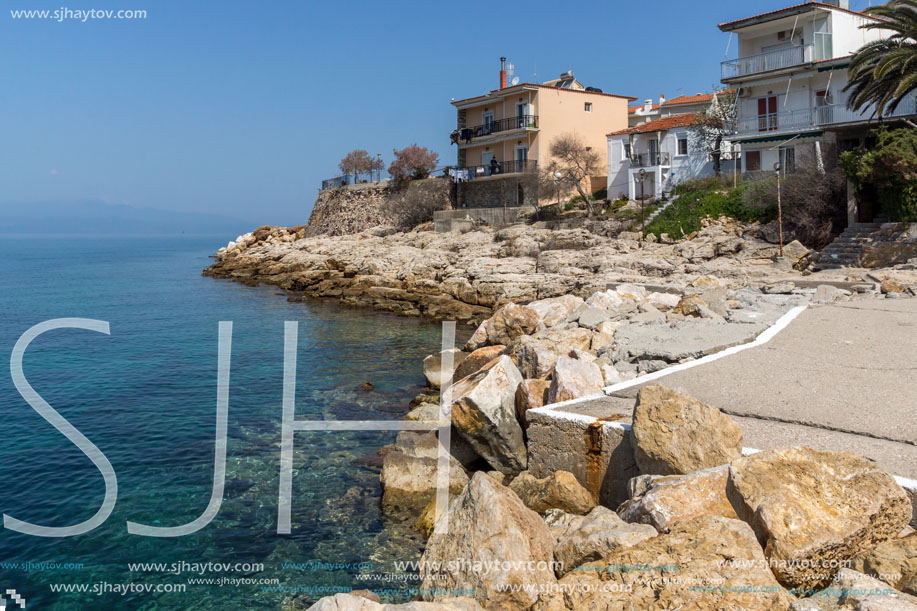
(486, 158)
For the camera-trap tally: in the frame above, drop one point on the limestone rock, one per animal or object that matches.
(892, 285)
(425, 412)
(536, 360)
(794, 251)
(352, 602)
(894, 562)
(475, 360)
(555, 309)
(488, 526)
(433, 369)
(409, 471)
(812, 509)
(594, 537)
(484, 413)
(574, 378)
(529, 395)
(510, 322)
(705, 551)
(664, 501)
(589, 316)
(605, 300)
(676, 434)
(558, 491)
(478, 339)
(853, 591)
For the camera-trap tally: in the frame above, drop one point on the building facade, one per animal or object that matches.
(503, 135)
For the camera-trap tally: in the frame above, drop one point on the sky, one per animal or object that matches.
(242, 108)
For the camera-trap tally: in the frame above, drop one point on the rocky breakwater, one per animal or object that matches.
(469, 276)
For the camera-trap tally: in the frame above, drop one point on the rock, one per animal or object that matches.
(894, 562)
(433, 366)
(353, 602)
(601, 340)
(676, 434)
(706, 282)
(529, 395)
(573, 378)
(683, 570)
(678, 341)
(558, 521)
(605, 300)
(688, 305)
(632, 292)
(366, 387)
(594, 537)
(663, 501)
(825, 293)
(484, 413)
(589, 316)
(477, 359)
(892, 285)
(489, 526)
(665, 300)
(784, 287)
(409, 472)
(510, 322)
(425, 412)
(856, 592)
(812, 509)
(556, 309)
(563, 340)
(536, 360)
(478, 338)
(582, 355)
(559, 491)
(794, 251)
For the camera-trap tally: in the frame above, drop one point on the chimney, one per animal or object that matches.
(661, 99)
(502, 73)
(647, 105)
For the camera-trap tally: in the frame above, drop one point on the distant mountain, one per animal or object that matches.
(99, 218)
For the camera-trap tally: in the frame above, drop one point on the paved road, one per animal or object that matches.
(841, 376)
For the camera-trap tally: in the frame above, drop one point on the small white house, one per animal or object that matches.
(666, 149)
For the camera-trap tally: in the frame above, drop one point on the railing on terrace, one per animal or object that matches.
(351, 179)
(839, 113)
(646, 160)
(500, 168)
(765, 62)
(467, 134)
(804, 118)
(776, 122)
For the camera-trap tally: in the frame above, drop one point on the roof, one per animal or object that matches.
(632, 109)
(789, 10)
(689, 99)
(540, 86)
(658, 125)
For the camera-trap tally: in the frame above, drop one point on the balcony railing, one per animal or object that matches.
(806, 118)
(498, 168)
(467, 134)
(646, 160)
(765, 62)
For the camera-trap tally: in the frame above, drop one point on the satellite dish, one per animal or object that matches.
(515, 80)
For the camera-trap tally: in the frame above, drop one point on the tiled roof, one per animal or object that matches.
(795, 7)
(540, 86)
(689, 99)
(670, 122)
(632, 109)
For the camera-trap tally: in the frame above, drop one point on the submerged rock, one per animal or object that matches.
(409, 471)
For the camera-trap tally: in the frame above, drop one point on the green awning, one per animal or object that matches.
(779, 138)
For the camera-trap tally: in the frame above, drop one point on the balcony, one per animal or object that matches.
(468, 134)
(808, 118)
(648, 160)
(766, 62)
(500, 168)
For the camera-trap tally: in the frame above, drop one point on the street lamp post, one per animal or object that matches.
(379, 168)
(642, 175)
(779, 208)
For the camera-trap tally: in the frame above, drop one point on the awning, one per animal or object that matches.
(779, 138)
(838, 67)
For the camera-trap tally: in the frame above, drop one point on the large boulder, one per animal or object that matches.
(509, 322)
(433, 366)
(665, 500)
(555, 309)
(574, 378)
(853, 591)
(590, 316)
(676, 434)
(558, 491)
(536, 360)
(596, 536)
(493, 543)
(814, 510)
(351, 602)
(484, 413)
(477, 359)
(529, 395)
(894, 562)
(709, 562)
(409, 471)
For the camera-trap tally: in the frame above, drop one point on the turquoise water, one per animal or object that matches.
(146, 396)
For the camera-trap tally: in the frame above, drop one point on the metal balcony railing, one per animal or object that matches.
(776, 122)
(647, 160)
(839, 113)
(806, 118)
(765, 62)
(499, 168)
(467, 134)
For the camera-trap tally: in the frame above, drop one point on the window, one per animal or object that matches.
(767, 114)
(626, 151)
(588, 106)
(752, 161)
(788, 160)
(488, 122)
(682, 145)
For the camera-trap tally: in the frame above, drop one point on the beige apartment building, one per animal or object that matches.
(503, 135)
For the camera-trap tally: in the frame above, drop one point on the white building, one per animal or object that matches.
(789, 75)
(659, 141)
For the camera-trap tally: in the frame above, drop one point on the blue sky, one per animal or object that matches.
(242, 108)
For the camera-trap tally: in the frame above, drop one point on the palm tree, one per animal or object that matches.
(884, 72)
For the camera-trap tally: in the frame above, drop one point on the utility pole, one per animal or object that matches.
(779, 208)
(642, 175)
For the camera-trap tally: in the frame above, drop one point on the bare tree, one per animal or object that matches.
(357, 162)
(714, 124)
(413, 162)
(572, 164)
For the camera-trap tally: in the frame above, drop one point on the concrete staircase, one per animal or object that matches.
(847, 249)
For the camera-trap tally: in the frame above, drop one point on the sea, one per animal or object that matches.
(146, 396)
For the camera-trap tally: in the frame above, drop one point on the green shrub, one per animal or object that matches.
(900, 202)
(889, 168)
(685, 214)
(723, 181)
(600, 194)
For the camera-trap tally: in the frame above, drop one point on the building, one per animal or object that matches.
(660, 142)
(502, 135)
(789, 75)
